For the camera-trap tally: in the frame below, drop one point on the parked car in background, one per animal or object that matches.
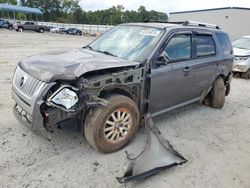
(73, 31)
(57, 30)
(132, 69)
(32, 26)
(242, 56)
(6, 24)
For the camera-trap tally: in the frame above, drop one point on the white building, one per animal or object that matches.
(234, 20)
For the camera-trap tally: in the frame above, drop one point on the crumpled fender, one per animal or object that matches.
(158, 155)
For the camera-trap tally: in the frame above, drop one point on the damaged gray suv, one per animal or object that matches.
(133, 69)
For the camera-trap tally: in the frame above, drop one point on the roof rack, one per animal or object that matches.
(200, 24)
(187, 23)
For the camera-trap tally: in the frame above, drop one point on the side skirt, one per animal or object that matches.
(175, 107)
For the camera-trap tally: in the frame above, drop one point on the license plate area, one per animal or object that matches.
(23, 114)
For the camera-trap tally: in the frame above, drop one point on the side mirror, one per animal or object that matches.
(163, 58)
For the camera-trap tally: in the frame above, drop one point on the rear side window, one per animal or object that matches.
(205, 45)
(224, 42)
(179, 48)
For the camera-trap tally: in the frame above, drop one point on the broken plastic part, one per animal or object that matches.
(158, 155)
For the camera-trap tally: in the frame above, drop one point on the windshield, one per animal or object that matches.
(242, 43)
(134, 43)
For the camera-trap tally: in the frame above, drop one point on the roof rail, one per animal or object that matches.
(200, 24)
(186, 23)
(162, 21)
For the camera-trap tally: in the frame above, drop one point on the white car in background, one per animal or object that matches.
(57, 29)
(241, 48)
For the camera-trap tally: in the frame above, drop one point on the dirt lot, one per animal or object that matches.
(215, 142)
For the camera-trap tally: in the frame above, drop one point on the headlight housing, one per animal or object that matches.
(241, 58)
(64, 97)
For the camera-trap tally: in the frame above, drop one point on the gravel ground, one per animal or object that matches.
(215, 142)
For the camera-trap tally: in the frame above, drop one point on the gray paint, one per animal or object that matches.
(157, 156)
(69, 64)
(162, 88)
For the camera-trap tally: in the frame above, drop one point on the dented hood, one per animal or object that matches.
(69, 64)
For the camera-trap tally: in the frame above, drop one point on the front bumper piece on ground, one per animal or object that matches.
(158, 155)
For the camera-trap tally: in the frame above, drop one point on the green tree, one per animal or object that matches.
(12, 2)
(71, 12)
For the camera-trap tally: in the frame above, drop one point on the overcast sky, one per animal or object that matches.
(163, 5)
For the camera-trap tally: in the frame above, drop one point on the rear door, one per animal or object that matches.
(206, 55)
(172, 83)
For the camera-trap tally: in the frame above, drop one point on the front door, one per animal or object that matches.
(173, 83)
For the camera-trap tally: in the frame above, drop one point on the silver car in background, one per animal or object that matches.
(242, 56)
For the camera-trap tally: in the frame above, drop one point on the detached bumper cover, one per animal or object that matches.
(158, 155)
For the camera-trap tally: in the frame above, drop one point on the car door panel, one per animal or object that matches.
(206, 64)
(172, 84)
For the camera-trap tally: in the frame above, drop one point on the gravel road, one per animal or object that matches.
(215, 142)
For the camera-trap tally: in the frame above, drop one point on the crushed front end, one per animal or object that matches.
(43, 106)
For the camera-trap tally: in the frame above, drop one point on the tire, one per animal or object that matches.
(218, 93)
(246, 75)
(41, 30)
(20, 29)
(228, 89)
(101, 118)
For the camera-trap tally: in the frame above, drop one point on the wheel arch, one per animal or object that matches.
(122, 90)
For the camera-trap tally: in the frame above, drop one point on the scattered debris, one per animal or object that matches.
(158, 155)
(96, 163)
(24, 135)
(5, 142)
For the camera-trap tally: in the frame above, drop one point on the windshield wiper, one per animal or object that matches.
(89, 47)
(106, 52)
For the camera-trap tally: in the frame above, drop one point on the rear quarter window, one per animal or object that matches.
(224, 43)
(205, 45)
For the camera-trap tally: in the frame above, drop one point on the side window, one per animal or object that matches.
(224, 42)
(179, 48)
(205, 45)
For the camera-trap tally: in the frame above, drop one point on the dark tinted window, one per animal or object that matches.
(224, 42)
(179, 48)
(205, 45)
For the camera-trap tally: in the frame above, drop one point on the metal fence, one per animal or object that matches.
(86, 28)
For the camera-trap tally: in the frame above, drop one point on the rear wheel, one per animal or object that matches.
(218, 93)
(20, 29)
(246, 75)
(110, 128)
(41, 30)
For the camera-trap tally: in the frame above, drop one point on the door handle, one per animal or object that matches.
(187, 69)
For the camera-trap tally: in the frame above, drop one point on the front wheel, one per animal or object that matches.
(110, 128)
(218, 93)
